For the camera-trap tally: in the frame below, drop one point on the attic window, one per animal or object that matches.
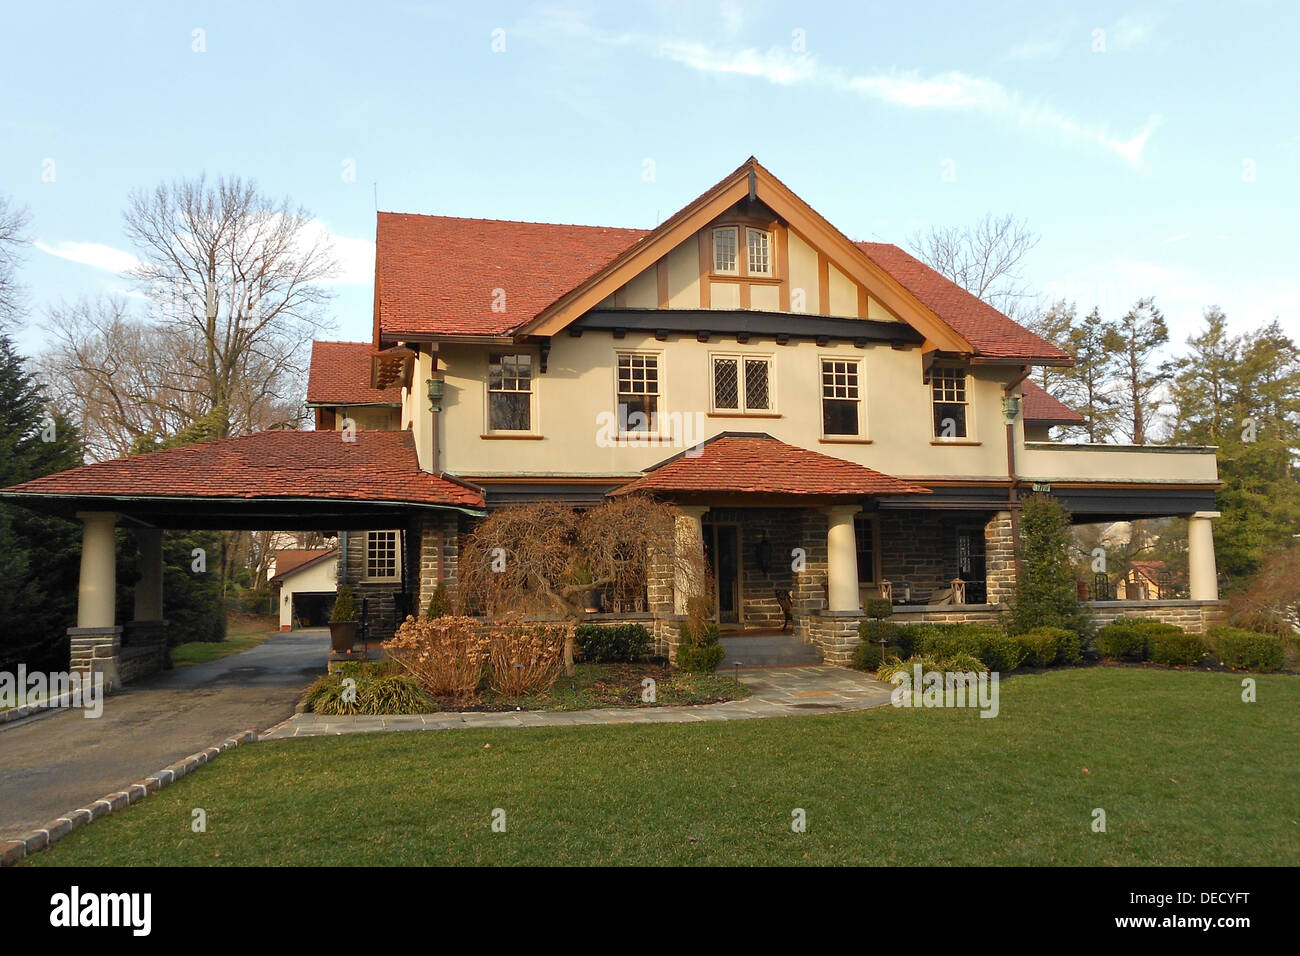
(725, 247)
(760, 258)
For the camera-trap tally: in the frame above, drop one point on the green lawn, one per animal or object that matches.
(1186, 772)
(242, 632)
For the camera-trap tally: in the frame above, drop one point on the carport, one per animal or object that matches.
(273, 481)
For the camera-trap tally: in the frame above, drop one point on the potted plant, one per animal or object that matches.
(343, 621)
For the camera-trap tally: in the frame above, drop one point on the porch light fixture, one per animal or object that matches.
(435, 393)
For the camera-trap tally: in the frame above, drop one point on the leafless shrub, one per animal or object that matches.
(525, 659)
(446, 655)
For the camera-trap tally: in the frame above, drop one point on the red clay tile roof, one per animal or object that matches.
(378, 466)
(340, 375)
(294, 559)
(991, 332)
(1042, 406)
(437, 274)
(760, 464)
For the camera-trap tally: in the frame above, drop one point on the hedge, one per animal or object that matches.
(1121, 641)
(1247, 650)
(613, 642)
(1178, 649)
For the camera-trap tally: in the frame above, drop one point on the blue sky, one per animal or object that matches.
(1154, 146)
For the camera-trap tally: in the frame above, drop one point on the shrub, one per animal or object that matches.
(1040, 646)
(345, 606)
(1121, 641)
(1150, 626)
(1003, 653)
(945, 640)
(964, 664)
(866, 657)
(447, 655)
(700, 654)
(379, 689)
(872, 632)
(616, 642)
(908, 635)
(1248, 650)
(1180, 648)
(1069, 648)
(439, 603)
(878, 608)
(525, 658)
(895, 666)
(1045, 594)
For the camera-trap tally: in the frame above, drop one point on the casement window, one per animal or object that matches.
(638, 391)
(382, 562)
(725, 250)
(510, 392)
(864, 530)
(742, 383)
(759, 245)
(948, 393)
(841, 396)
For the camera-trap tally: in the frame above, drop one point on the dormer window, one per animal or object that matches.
(759, 244)
(725, 248)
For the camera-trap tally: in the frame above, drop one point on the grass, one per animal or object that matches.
(242, 632)
(1187, 773)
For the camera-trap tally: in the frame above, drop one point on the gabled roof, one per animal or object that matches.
(757, 463)
(439, 276)
(380, 466)
(340, 375)
(1042, 407)
(292, 560)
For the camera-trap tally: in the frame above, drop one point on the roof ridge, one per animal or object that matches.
(515, 222)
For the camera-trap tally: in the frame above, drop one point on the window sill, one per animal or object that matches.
(380, 581)
(844, 440)
(507, 436)
(955, 441)
(644, 438)
(745, 415)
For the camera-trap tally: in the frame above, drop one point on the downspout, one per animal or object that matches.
(1013, 498)
(343, 557)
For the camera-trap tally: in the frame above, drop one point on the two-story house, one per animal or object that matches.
(834, 419)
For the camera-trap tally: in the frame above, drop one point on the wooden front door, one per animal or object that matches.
(722, 549)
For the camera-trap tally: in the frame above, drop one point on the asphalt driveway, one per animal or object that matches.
(61, 761)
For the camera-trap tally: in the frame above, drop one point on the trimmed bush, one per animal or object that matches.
(866, 656)
(1040, 647)
(878, 608)
(1121, 641)
(700, 655)
(439, 603)
(964, 664)
(615, 642)
(1069, 649)
(1247, 650)
(1150, 626)
(1180, 648)
(1003, 653)
(872, 631)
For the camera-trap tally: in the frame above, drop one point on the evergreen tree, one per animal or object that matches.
(40, 556)
(1137, 338)
(1089, 387)
(1045, 594)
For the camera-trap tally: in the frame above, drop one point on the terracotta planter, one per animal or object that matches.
(343, 634)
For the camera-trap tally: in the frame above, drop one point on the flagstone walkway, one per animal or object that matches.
(777, 692)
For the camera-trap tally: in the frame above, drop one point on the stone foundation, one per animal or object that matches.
(97, 649)
(1194, 617)
(144, 650)
(834, 634)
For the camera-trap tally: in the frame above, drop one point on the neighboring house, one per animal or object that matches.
(1145, 581)
(806, 400)
(308, 579)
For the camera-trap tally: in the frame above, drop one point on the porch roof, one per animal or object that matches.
(756, 464)
(278, 479)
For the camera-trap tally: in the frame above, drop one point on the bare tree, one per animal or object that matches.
(235, 278)
(985, 259)
(13, 239)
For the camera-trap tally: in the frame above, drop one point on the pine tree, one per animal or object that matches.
(40, 556)
(1090, 385)
(1137, 338)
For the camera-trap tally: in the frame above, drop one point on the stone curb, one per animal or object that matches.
(13, 851)
(31, 710)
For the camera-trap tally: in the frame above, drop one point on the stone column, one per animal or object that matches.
(690, 550)
(842, 558)
(96, 591)
(1202, 575)
(999, 559)
(149, 589)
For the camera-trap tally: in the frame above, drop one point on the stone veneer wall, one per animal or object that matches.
(783, 528)
(1195, 617)
(920, 547)
(450, 524)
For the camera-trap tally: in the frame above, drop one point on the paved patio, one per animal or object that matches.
(777, 692)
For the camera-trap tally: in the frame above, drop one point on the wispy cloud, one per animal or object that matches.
(951, 90)
(1178, 238)
(94, 254)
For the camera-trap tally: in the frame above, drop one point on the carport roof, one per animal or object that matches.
(273, 479)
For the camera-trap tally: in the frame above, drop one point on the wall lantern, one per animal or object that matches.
(435, 393)
(1010, 409)
(763, 554)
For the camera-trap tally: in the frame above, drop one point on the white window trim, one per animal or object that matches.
(533, 411)
(366, 576)
(861, 435)
(657, 429)
(769, 358)
(970, 437)
(771, 253)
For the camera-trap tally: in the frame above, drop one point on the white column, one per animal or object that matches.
(149, 589)
(842, 558)
(689, 560)
(1202, 575)
(96, 591)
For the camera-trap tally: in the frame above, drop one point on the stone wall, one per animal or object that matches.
(96, 648)
(835, 635)
(144, 650)
(999, 559)
(920, 548)
(450, 525)
(783, 530)
(1195, 617)
(809, 595)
